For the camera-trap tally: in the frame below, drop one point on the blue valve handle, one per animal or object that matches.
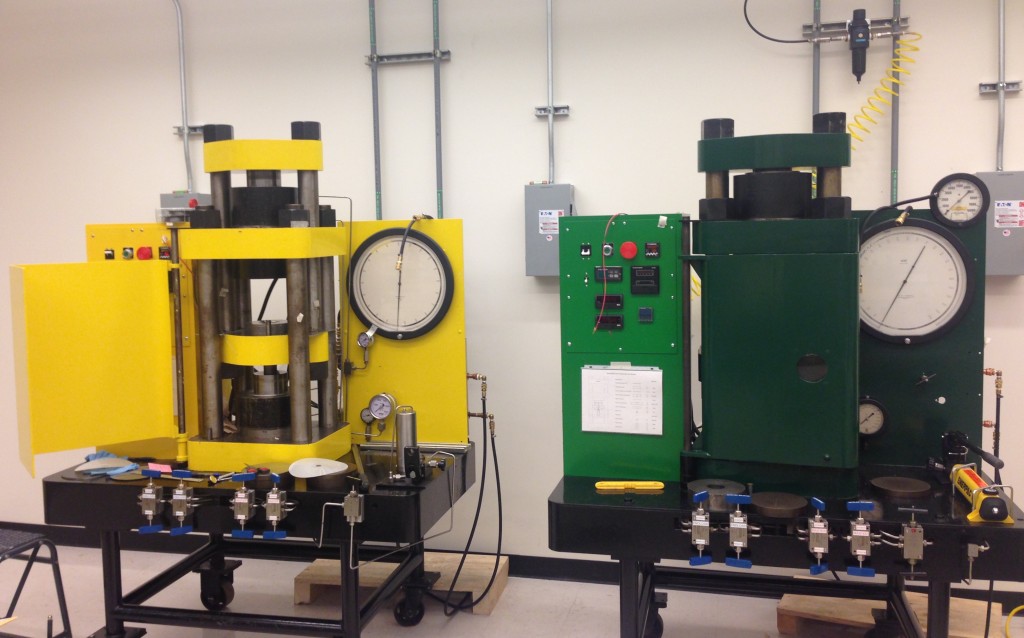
(818, 569)
(701, 496)
(697, 561)
(242, 533)
(864, 572)
(737, 499)
(242, 477)
(151, 529)
(151, 473)
(860, 506)
(741, 563)
(275, 478)
(181, 474)
(818, 504)
(272, 535)
(181, 531)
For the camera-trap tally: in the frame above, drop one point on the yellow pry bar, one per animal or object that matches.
(630, 486)
(263, 155)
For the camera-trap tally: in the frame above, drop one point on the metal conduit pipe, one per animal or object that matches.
(376, 104)
(437, 111)
(184, 94)
(816, 59)
(894, 146)
(1001, 86)
(551, 102)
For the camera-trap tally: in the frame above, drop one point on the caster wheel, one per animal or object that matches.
(655, 626)
(408, 614)
(217, 600)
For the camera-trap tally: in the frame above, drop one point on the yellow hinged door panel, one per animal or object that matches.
(93, 354)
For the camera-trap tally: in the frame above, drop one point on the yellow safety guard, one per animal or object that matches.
(263, 155)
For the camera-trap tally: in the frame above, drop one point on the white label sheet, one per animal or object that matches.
(622, 400)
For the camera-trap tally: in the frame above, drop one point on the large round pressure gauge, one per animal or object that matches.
(917, 281)
(400, 282)
(959, 200)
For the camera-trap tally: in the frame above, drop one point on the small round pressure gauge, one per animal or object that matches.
(871, 416)
(366, 416)
(381, 406)
(959, 200)
(916, 280)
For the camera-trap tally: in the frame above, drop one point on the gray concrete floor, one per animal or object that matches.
(528, 607)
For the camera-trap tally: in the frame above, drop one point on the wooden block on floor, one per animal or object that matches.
(819, 615)
(475, 574)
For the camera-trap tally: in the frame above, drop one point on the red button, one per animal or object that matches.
(144, 252)
(627, 249)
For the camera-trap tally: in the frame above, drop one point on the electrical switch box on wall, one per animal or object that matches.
(545, 204)
(1004, 234)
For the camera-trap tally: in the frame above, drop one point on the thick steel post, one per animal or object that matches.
(716, 182)
(830, 178)
(298, 349)
(179, 340)
(629, 598)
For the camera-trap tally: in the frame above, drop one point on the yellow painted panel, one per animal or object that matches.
(268, 350)
(232, 456)
(263, 155)
(93, 348)
(428, 372)
(261, 243)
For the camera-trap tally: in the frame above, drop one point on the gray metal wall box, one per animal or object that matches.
(1004, 220)
(545, 203)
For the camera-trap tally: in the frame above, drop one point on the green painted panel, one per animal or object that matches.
(932, 387)
(776, 236)
(650, 337)
(762, 314)
(787, 150)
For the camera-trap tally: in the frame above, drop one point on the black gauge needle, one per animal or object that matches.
(954, 204)
(865, 419)
(398, 300)
(903, 285)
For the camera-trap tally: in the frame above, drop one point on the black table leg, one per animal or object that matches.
(629, 599)
(350, 617)
(938, 609)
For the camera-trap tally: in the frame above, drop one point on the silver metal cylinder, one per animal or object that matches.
(405, 433)
(309, 199)
(179, 339)
(298, 350)
(212, 419)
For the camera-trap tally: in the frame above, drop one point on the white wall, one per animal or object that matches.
(89, 93)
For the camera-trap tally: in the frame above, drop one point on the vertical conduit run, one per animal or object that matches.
(184, 94)
(1001, 86)
(376, 104)
(816, 60)
(551, 104)
(437, 111)
(894, 146)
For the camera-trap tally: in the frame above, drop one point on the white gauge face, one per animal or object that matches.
(381, 406)
(914, 281)
(959, 199)
(406, 301)
(871, 418)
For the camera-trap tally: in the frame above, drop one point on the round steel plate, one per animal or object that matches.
(778, 504)
(716, 489)
(901, 487)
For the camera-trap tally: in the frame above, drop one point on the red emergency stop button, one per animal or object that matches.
(628, 249)
(144, 252)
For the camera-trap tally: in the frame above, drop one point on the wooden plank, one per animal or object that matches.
(473, 579)
(799, 615)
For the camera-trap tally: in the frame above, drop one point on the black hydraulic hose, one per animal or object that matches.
(866, 223)
(452, 609)
(266, 299)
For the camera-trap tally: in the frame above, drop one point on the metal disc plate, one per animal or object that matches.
(901, 487)
(716, 489)
(778, 504)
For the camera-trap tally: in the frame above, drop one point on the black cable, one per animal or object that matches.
(266, 299)
(995, 434)
(766, 37)
(405, 236)
(451, 609)
(864, 225)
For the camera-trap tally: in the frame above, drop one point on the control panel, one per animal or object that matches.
(623, 288)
